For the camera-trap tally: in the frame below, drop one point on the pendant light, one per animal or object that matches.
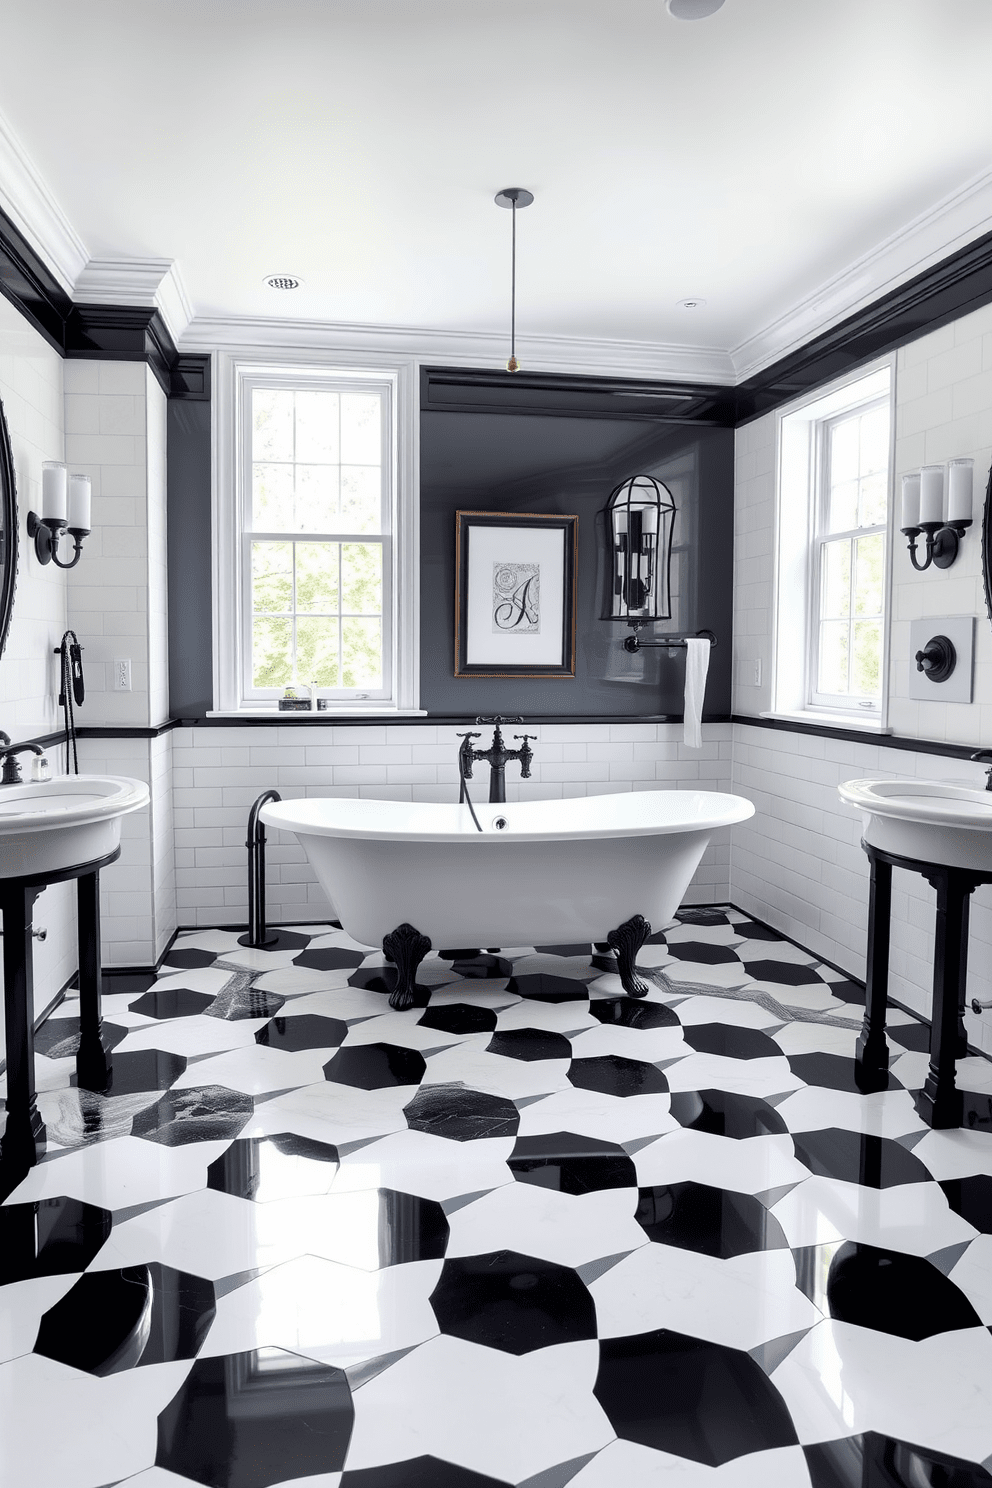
(513, 197)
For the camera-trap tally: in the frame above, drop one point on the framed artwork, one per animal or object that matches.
(514, 594)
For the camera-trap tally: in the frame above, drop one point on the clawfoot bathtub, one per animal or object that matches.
(407, 875)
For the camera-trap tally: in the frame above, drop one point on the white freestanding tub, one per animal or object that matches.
(540, 872)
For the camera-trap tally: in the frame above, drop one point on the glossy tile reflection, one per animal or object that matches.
(530, 1234)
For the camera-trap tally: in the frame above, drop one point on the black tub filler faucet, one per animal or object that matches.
(496, 756)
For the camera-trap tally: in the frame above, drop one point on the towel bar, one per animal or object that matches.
(632, 643)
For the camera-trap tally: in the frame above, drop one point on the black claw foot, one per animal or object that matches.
(406, 948)
(626, 940)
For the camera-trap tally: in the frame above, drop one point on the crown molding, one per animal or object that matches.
(930, 238)
(31, 207)
(563, 354)
(153, 282)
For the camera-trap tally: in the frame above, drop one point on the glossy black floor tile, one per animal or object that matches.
(874, 1162)
(703, 952)
(52, 1237)
(529, 1044)
(204, 1113)
(725, 1114)
(543, 987)
(882, 1289)
(458, 1017)
(850, 992)
(329, 958)
(250, 1419)
(976, 1112)
(419, 1472)
(58, 1038)
(731, 1042)
(114, 1320)
(875, 1461)
(512, 1302)
(832, 1071)
(785, 973)
(690, 1397)
(285, 1166)
(171, 1002)
(971, 1197)
(374, 1066)
(631, 1012)
(144, 1069)
(752, 930)
(308, 1031)
(612, 1074)
(180, 960)
(482, 967)
(710, 1221)
(914, 1036)
(461, 1115)
(571, 1164)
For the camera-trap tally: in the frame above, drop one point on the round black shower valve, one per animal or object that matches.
(938, 658)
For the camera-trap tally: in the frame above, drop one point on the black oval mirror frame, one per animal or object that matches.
(8, 531)
(987, 547)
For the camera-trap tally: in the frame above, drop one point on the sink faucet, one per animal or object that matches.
(982, 756)
(11, 769)
(496, 756)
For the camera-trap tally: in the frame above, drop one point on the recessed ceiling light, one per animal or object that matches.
(692, 303)
(693, 10)
(282, 281)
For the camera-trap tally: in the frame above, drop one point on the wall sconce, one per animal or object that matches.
(640, 523)
(923, 511)
(65, 506)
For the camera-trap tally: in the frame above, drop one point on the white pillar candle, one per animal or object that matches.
(53, 489)
(79, 502)
(932, 493)
(959, 490)
(911, 500)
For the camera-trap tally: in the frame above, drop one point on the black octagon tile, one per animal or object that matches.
(875, 1162)
(970, 1197)
(914, 1036)
(248, 1420)
(545, 988)
(461, 1115)
(703, 952)
(726, 1115)
(785, 973)
(51, 1237)
(512, 1302)
(710, 1221)
(529, 1044)
(571, 1164)
(751, 930)
(203, 1113)
(144, 1069)
(459, 1017)
(690, 1398)
(171, 1002)
(58, 1038)
(611, 1074)
(832, 1071)
(188, 960)
(285, 1166)
(849, 992)
(114, 1320)
(419, 1472)
(307, 1031)
(630, 1012)
(331, 958)
(874, 1461)
(373, 1066)
(730, 1041)
(882, 1289)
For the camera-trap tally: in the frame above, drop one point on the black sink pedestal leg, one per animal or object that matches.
(625, 941)
(93, 1070)
(940, 1102)
(871, 1057)
(405, 947)
(24, 1136)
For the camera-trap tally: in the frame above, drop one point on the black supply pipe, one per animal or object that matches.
(256, 937)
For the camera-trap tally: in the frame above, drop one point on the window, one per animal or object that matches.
(834, 480)
(321, 563)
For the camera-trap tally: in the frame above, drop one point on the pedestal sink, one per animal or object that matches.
(51, 831)
(944, 832)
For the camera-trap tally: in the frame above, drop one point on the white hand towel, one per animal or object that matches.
(697, 663)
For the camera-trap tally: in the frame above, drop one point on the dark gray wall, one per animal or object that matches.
(190, 620)
(524, 462)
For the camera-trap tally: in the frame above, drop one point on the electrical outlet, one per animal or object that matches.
(122, 674)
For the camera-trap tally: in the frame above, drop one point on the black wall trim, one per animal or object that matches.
(30, 285)
(860, 736)
(432, 720)
(109, 732)
(472, 390)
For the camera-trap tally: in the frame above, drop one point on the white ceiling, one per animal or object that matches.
(748, 158)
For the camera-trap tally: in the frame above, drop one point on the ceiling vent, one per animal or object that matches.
(282, 281)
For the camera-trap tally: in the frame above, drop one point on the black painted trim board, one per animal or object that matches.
(860, 736)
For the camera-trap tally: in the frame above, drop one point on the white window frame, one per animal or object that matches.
(800, 478)
(236, 375)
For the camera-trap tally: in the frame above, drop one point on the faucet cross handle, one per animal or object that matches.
(526, 754)
(984, 756)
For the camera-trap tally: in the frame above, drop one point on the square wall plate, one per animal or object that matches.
(958, 688)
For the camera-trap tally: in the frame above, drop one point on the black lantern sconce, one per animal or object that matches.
(640, 522)
(65, 506)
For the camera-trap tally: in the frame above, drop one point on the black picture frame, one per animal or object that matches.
(466, 522)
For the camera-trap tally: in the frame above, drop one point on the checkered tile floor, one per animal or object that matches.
(534, 1233)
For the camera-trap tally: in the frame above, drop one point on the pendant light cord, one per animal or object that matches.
(513, 284)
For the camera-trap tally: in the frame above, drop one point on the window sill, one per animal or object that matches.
(314, 715)
(854, 721)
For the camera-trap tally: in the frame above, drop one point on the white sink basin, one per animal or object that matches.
(55, 824)
(933, 821)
